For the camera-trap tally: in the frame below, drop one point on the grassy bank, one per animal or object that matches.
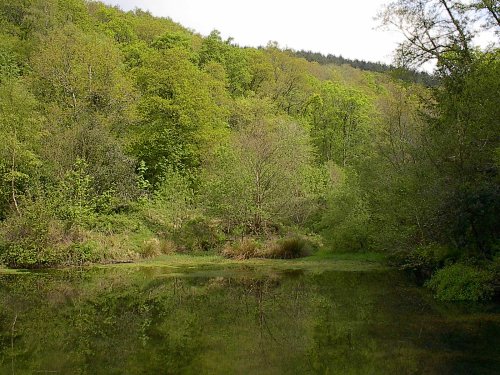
(318, 262)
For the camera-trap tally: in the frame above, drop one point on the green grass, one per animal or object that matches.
(321, 261)
(317, 262)
(7, 271)
(358, 256)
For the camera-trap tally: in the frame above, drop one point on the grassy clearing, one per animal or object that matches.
(9, 271)
(321, 261)
(318, 262)
(358, 256)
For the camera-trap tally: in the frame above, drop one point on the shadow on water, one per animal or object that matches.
(240, 321)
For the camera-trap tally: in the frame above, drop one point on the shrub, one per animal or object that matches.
(168, 247)
(424, 260)
(155, 247)
(243, 249)
(197, 234)
(284, 248)
(289, 248)
(35, 239)
(151, 248)
(85, 252)
(462, 282)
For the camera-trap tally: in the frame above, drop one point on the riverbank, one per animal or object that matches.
(319, 261)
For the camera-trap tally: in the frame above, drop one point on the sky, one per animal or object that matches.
(344, 27)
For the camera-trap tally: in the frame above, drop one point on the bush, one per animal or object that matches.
(424, 260)
(81, 253)
(151, 248)
(242, 249)
(284, 248)
(155, 247)
(462, 282)
(289, 248)
(197, 234)
(35, 239)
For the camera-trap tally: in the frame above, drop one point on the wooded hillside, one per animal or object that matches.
(126, 135)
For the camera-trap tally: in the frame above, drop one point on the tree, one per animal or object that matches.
(87, 98)
(338, 115)
(346, 221)
(461, 136)
(181, 116)
(259, 179)
(81, 73)
(289, 85)
(433, 29)
(232, 58)
(21, 130)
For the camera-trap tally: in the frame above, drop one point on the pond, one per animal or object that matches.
(238, 319)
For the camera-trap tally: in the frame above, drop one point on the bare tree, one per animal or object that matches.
(442, 30)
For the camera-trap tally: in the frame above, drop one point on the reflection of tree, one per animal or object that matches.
(120, 320)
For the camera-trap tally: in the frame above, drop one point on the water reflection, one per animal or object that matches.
(154, 321)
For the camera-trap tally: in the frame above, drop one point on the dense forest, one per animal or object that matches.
(403, 73)
(126, 136)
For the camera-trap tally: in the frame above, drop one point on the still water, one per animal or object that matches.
(237, 320)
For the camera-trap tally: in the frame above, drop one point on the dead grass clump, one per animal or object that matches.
(242, 249)
(168, 247)
(288, 248)
(151, 248)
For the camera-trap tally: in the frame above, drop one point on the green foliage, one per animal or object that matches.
(462, 282)
(9, 67)
(265, 176)
(339, 118)
(181, 120)
(75, 196)
(426, 258)
(287, 83)
(233, 59)
(35, 239)
(449, 154)
(21, 130)
(198, 234)
(468, 106)
(346, 222)
(81, 72)
(126, 135)
(171, 204)
(52, 227)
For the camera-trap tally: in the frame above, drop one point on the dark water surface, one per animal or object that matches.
(242, 320)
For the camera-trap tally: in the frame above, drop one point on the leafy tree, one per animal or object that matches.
(346, 221)
(181, 119)
(21, 129)
(339, 117)
(81, 73)
(258, 180)
(289, 85)
(233, 59)
(460, 140)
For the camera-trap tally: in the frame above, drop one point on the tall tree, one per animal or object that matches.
(21, 130)
(461, 133)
